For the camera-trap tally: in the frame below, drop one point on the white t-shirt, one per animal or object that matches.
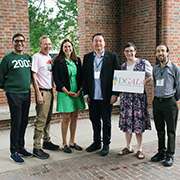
(42, 66)
(148, 68)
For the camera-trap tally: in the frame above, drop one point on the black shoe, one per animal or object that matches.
(93, 147)
(66, 149)
(50, 146)
(23, 152)
(168, 161)
(158, 157)
(77, 147)
(105, 150)
(39, 153)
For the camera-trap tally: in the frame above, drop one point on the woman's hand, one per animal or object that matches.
(78, 93)
(147, 80)
(69, 93)
(72, 94)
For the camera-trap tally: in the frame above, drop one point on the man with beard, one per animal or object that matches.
(15, 79)
(43, 85)
(166, 77)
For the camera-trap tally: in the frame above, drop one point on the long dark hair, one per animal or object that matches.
(61, 56)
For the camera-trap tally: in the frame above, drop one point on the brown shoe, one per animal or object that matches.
(140, 155)
(125, 151)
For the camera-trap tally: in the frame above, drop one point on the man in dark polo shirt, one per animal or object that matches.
(166, 77)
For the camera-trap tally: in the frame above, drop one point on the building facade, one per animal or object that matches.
(145, 23)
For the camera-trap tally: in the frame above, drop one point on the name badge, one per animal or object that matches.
(96, 74)
(160, 82)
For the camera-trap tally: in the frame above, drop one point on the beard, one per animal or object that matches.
(162, 60)
(19, 50)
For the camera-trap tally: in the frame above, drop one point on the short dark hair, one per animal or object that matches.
(162, 44)
(16, 35)
(97, 34)
(129, 44)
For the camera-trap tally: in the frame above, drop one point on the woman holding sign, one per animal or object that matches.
(134, 113)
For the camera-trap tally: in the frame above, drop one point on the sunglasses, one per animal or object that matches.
(17, 41)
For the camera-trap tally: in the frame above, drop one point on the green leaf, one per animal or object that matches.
(60, 26)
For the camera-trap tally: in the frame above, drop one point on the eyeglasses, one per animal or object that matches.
(17, 41)
(127, 51)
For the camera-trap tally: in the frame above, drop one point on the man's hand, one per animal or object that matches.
(87, 100)
(39, 99)
(113, 99)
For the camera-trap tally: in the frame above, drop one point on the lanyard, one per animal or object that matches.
(162, 71)
(97, 65)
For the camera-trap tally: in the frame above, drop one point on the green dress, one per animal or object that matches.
(65, 103)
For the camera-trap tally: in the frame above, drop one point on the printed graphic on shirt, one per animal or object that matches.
(21, 63)
(49, 66)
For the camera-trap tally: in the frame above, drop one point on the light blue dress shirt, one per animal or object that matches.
(98, 61)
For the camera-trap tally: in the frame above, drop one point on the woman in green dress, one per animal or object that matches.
(67, 74)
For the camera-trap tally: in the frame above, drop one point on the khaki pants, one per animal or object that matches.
(42, 122)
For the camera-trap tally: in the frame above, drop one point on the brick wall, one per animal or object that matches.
(170, 28)
(120, 22)
(98, 16)
(138, 25)
(13, 19)
(145, 23)
(170, 33)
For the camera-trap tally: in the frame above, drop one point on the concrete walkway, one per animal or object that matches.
(84, 165)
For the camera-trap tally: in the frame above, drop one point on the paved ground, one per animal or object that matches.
(89, 166)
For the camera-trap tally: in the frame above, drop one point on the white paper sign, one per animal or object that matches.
(129, 81)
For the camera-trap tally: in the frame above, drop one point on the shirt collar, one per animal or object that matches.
(169, 64)
(67, 61)
(102, 55)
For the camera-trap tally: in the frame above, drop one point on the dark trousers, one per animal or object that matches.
(165, 112)
(19, 104)
(98, 110)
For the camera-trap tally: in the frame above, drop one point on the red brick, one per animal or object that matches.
(6, 30)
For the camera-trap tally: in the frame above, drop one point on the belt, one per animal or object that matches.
(164, 99)
(45, 89)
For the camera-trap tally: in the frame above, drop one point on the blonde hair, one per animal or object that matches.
(43, 37)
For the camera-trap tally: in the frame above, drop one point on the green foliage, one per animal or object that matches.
(63, 25)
